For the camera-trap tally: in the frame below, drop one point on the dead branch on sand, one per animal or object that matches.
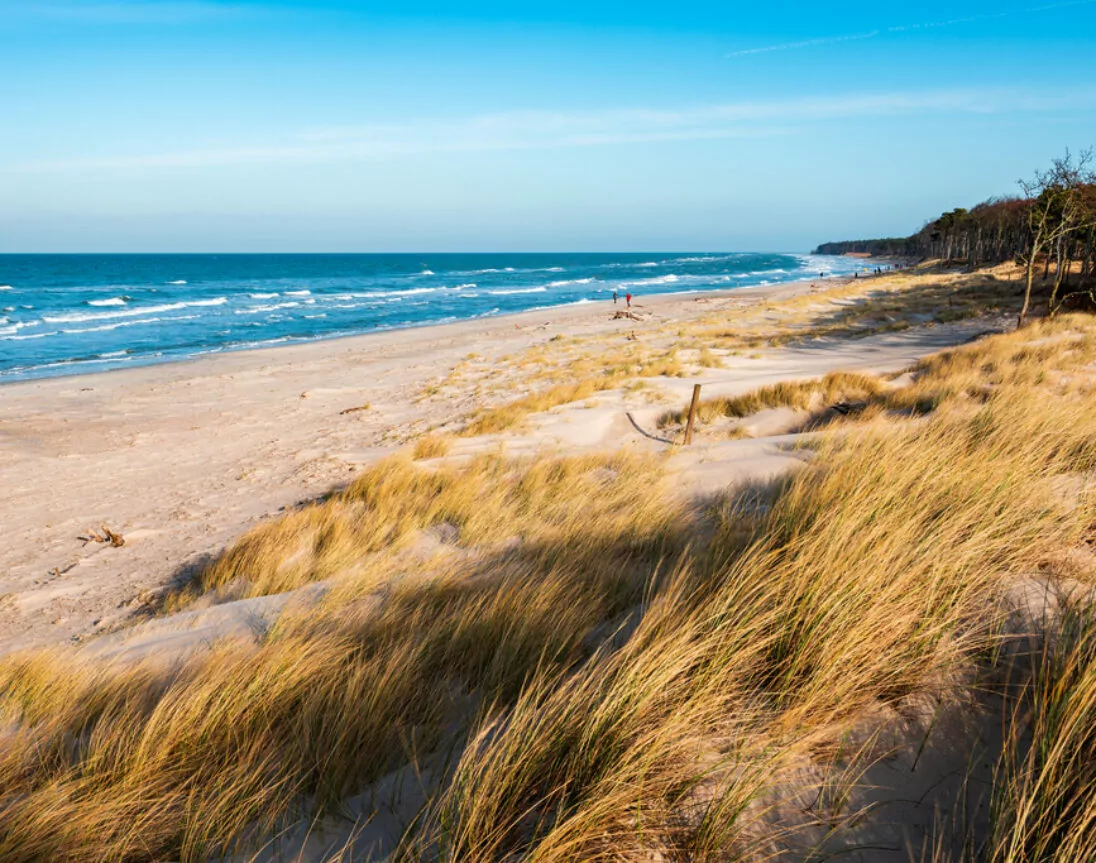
(115, 539)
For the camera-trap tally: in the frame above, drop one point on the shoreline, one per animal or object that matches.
(646, 301)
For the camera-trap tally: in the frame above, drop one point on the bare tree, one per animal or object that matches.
(1053, 223)
(1056, 211)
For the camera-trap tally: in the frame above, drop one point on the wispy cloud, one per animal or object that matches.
(907, 28)
(528, 130)
(806, 43)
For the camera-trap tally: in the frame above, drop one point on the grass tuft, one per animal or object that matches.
(432, 446)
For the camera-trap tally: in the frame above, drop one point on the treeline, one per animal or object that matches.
(1050, 228)
(991, 232)
(890, 247)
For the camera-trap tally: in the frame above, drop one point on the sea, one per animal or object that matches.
(73, 314)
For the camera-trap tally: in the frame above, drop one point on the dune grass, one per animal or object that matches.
(354, 532)
(432, 446)
(800, 395)
(1044, 806)
(610, 675)
(585, 377)
(970, 372)
(573, 370)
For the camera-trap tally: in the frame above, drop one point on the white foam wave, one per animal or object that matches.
(657, 280)
(302, 293)
(463, 287)
(6, 288)
(488, 270)
(257, 310)
(129, 313)
(427, 273)
(703, 259)
(113, 301)
(30, 336)
(262, 296)
(388, 295)
(571, 282)
(118, 324)
(107, 327)
(87, 362)
(584, 301)
(12, 328)
(518, 291)
(178, 282)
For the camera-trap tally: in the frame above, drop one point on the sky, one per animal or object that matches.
(202, 126)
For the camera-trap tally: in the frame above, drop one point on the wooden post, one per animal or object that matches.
(692, 415)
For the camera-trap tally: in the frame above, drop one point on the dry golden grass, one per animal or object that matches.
(970, 373)
(558, 373)
(432, 446)
(873, 572)
(801, 395)
(151, 764)
(1044, 805)
(586, 378)
(707, 359)
(354, 532)
(613, 676)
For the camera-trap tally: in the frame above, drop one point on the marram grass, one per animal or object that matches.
(600, 672)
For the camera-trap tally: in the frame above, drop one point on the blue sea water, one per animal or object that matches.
(68, 314)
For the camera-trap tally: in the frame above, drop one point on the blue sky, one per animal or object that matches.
(327, 126)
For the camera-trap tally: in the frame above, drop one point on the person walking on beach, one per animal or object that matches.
(628, 299)
(615, 298)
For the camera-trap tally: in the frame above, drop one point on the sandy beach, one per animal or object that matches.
(179, 459)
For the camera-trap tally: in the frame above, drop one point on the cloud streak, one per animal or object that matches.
(906, 28)
(531, 130)
(806, 43)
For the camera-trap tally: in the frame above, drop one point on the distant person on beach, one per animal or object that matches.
(628, 299)
(614, 298)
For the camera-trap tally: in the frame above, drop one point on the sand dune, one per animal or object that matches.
(182, 458)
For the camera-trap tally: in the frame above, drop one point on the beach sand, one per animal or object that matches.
(179, 459)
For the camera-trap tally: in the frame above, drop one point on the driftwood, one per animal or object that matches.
(354, 410)
(58, 571)
(632, 316)
(115, 539)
